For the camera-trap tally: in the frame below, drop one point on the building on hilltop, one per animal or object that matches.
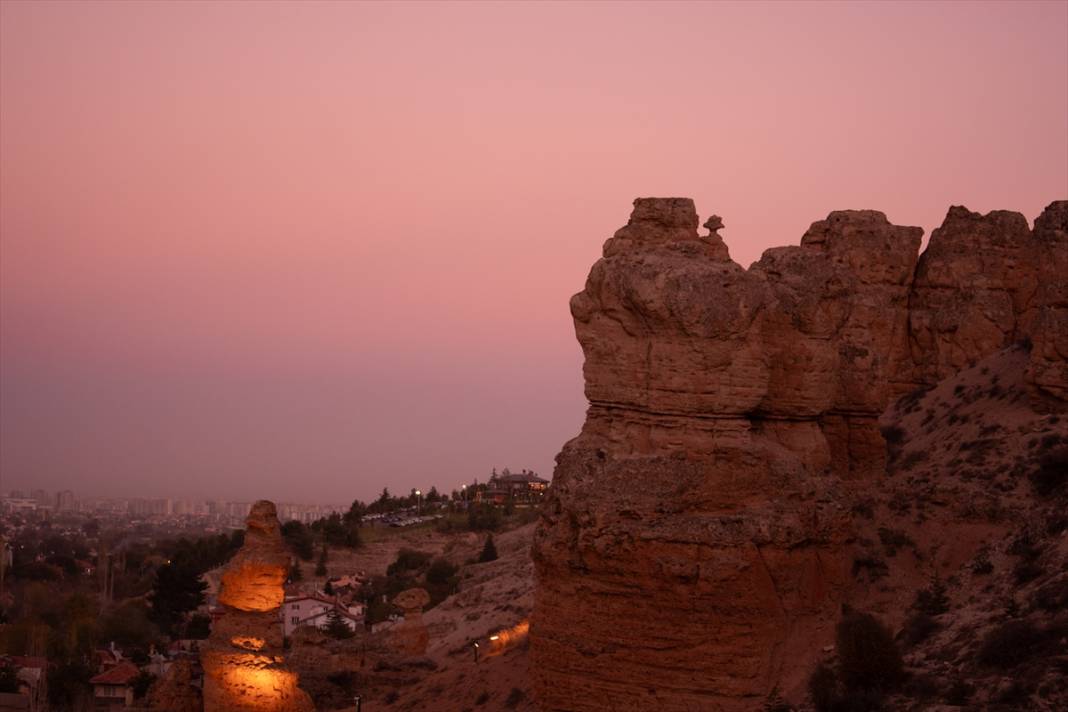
(518, 487)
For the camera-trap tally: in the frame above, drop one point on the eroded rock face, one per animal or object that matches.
(694, 547)
(243, 660)
(410, 636)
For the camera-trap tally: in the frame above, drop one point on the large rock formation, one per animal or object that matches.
(694, 548)
(243, 660)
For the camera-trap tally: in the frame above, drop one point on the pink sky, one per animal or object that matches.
(305, 251)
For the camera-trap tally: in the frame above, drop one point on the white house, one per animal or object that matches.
(314, 609)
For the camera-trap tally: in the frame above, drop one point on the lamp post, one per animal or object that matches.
(359, 702)
(475, 646)
(419, 502)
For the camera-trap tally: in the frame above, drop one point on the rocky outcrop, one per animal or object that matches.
(243, 660)
(695, 542)
(175, 692)
(410, 636)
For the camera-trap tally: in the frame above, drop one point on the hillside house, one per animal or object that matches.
(113, 688)
(313, 610)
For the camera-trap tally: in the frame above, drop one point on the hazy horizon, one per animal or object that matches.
(306, 251)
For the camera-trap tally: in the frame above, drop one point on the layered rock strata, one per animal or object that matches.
(243, 662)
(694, 547)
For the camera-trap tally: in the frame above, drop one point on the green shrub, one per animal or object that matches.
(918, 627)
(514, 698)
(440, 571)
(867, 654)
(1011, 643)
(933, 599)
(894, 539)
(823, 688)
(408, 560)
(489, 551)
(1052, 472)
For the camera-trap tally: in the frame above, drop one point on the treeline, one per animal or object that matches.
(139, 596)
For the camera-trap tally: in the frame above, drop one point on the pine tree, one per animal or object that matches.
(489, 551)
(320, 567)
(336, 627)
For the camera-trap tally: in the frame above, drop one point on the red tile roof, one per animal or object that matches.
(30, 661)
(121, 674)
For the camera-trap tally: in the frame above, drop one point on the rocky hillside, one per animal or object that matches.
(727, 515)
(495, 599)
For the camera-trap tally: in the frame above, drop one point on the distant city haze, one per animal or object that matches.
(306, 251)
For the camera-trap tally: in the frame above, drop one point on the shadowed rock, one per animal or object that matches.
(693, 550)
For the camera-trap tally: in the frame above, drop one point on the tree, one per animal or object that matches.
(328, 589)
(295, 572)
(178, 589)
(198, 627)
(356, 512)
(483, 517)
(336, 627)
(440, 571)
(299, 539)
(320, 566)
(141, 683)
(489, 551)
(9, 680)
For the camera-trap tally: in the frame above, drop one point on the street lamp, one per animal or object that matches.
(419, 502)
(475, 646)
(359, 702)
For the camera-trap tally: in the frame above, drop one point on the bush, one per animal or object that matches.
(981, 564)
(893, 435)
(141, 683)
(959, 693)
(823, 688)
(489, 551)
(867, 654)
(408, 560)
(514, 698)
(894, 539)
(440, 571)
(933, 599)
(875, 567)
(918, 627)
(483, 517)
(1053, 595)
(1052, 472)
(1010, 644)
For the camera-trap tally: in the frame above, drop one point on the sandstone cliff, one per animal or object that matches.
(698, 542)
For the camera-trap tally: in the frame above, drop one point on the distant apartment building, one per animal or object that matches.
(149, 507)
(42, 497)
(65, 501)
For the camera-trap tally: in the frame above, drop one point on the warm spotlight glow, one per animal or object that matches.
(509, 637)
(248, 642)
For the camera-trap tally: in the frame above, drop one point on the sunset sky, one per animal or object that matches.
(305, 251)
